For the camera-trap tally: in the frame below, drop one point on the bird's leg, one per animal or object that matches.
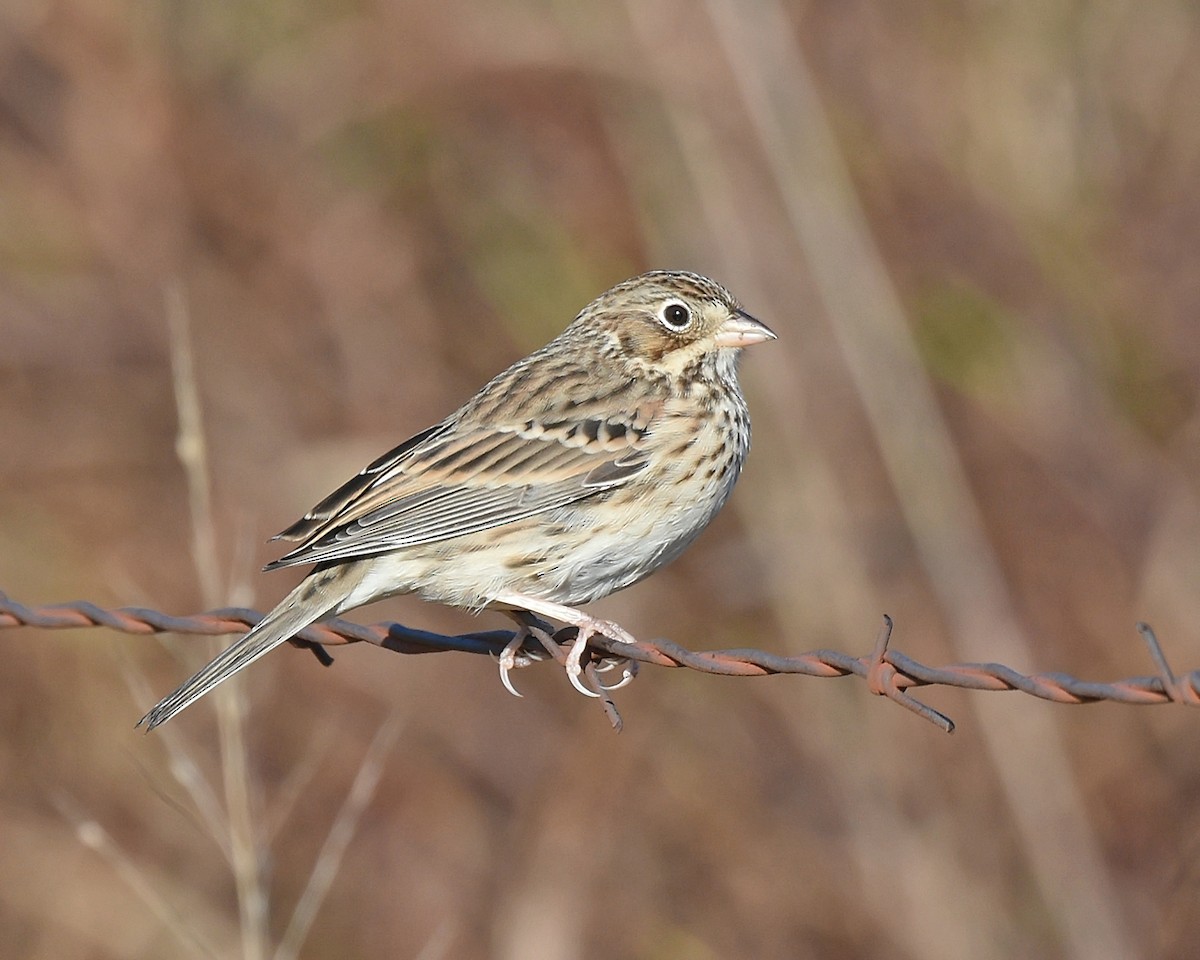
(586, 625)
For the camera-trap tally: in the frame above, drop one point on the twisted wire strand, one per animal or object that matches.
(888, 673)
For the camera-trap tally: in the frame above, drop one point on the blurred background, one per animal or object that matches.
(975, 228)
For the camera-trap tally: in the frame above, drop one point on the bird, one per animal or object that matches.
(578, 471)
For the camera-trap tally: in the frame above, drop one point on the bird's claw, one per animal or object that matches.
(628, 672)
(508, 659)
(573, 664)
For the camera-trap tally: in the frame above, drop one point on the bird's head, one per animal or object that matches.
(670, 322)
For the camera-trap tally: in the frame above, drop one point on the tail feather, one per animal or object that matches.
(310, 601)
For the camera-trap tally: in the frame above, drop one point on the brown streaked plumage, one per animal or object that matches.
(576, 472)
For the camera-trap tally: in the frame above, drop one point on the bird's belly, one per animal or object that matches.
(609, 559)
(572, 556)
(595, 548)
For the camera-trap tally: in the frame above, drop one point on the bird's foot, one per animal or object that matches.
(526, 609)
(588, 627)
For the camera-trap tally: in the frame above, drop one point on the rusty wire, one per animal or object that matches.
(888, 673)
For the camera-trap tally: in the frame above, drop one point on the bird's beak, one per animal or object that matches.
(741, 330)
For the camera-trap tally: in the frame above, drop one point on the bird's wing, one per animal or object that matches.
(350, 491)
(455, 479)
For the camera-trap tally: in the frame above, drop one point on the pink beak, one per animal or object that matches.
(741, 330)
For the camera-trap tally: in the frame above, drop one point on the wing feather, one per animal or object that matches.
(449, 482)
(355, 487)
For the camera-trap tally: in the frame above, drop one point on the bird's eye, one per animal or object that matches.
(676, 316)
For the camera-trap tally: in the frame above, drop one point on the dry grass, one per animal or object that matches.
(974, 227)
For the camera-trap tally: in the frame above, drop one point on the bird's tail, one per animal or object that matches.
(312, 599)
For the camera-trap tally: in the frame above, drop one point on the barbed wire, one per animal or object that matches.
(888, 673)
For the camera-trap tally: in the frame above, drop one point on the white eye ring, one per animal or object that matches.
(675, 315)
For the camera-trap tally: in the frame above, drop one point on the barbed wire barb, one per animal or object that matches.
(888, 673)
(1181, 690)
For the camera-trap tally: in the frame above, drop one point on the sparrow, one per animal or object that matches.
(576, 472)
